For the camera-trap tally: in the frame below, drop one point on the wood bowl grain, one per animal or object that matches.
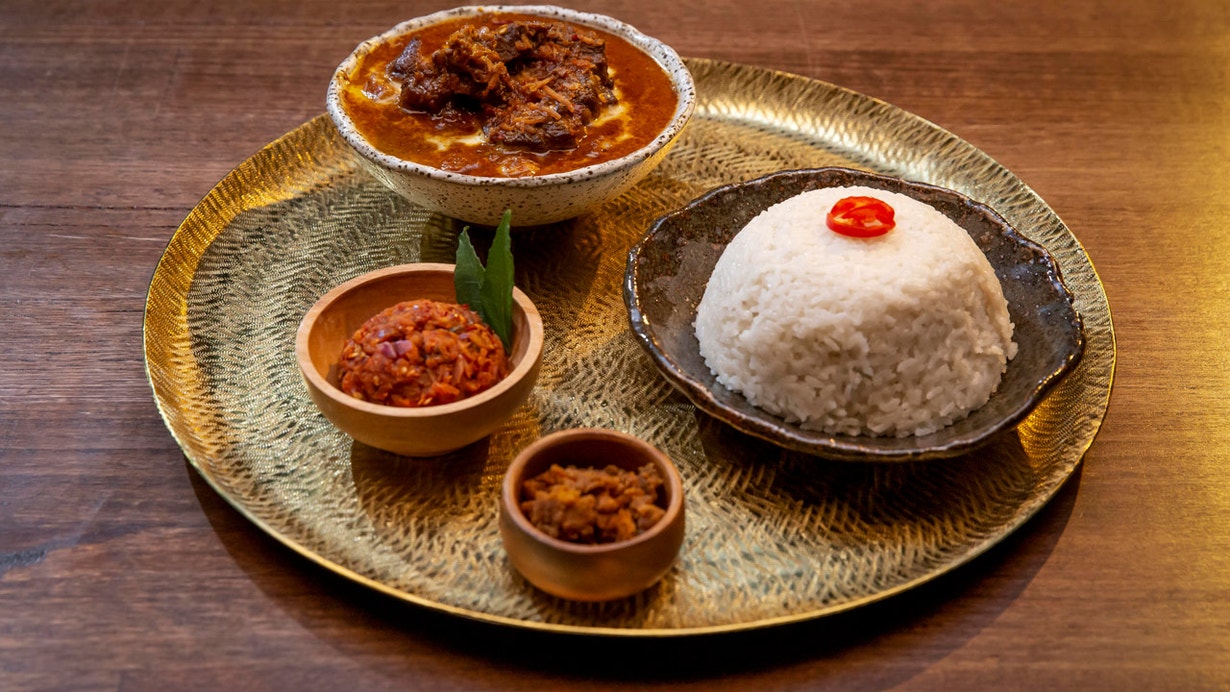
(422, 431)
(599, 572)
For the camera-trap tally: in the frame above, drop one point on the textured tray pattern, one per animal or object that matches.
(773, 536)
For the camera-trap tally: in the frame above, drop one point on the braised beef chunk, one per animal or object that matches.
(433, 88)
(536, 85)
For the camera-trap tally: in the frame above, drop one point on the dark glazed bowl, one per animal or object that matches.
(669, 268)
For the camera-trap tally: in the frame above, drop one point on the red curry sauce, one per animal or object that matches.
(646, 104)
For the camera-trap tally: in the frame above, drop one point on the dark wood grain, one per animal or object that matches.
(121, 569)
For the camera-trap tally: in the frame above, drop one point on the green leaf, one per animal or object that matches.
(468, 275)
(498, 283)
(488, 292)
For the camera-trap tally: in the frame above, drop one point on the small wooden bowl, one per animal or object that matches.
(427, 430)
(590, 572)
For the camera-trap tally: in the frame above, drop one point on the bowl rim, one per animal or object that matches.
(677, 73)
(509, 491)
(303, 356)
(776, 429)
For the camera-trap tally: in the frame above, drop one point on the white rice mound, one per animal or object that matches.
(896, 335)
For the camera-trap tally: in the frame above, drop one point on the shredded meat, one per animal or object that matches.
(533, 85)
(591, 505)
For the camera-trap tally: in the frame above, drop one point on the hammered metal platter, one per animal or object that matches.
(773, 536)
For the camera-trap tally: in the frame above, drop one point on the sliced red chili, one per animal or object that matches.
(861, 217)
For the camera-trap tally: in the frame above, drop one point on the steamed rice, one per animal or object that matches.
(896, 335)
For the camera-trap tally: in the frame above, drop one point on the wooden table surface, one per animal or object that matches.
(121, 569)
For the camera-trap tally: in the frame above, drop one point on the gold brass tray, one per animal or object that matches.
(773, 536)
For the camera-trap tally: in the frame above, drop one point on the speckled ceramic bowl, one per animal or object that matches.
(428, 430)
(535, 200)
(670, 267)
(591, 572)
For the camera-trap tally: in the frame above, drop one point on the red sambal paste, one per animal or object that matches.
(422, 352)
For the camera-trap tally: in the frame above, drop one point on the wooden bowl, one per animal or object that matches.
(422, 431)
(591, 572)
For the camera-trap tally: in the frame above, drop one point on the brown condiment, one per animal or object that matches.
(591, 505)
(420, 353)
(429, 126)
